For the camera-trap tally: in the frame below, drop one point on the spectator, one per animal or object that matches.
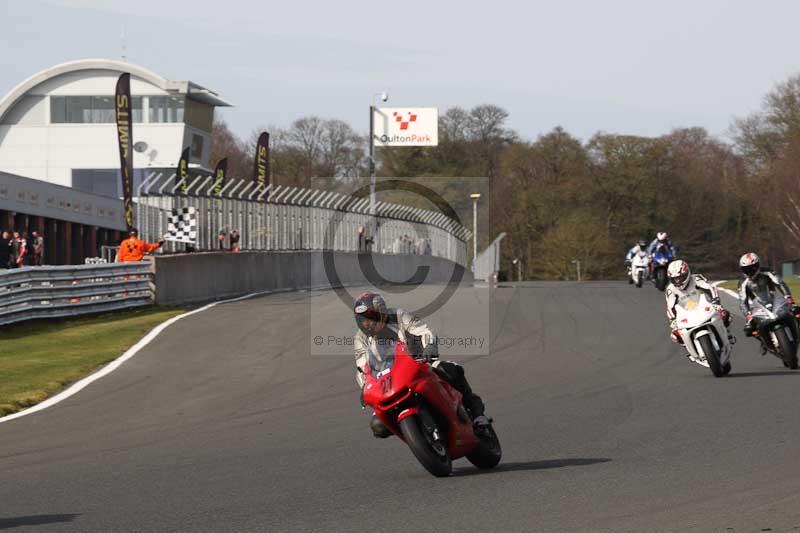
(133, 248)
(221, 239)
(14, 250)
(362, 239)
(17, 251)
(28, 248)
(5, 250)
(234, 238)
(38, 249)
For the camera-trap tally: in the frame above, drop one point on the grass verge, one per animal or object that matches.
(39, 359)
(793, 283)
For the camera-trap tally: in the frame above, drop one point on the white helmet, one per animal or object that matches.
(749, 264)
(679, 273)
(662, 236)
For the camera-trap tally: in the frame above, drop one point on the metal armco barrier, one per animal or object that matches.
(62, 291)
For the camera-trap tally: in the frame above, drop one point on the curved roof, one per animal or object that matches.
(182, 87)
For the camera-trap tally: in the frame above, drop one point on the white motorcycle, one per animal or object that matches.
(776, 327)
(640, 266)
(704, 335)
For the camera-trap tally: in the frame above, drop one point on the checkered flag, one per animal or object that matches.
(182, 225)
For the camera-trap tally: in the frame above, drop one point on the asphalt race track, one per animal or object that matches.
(227, 423)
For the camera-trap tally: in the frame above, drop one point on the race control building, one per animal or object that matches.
(57, 129)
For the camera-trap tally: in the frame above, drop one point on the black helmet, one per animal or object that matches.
(371, 313)
(642, 244)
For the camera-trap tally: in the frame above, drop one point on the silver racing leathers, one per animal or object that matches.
(765, 285)
(421, 342)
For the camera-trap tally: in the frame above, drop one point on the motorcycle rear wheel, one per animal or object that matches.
(488, 452)
(431, 453)
(788, 349)
(712, 357)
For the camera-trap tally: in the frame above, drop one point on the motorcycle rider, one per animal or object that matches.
(375, 322)
(662, 238)
(640, 246)
(683, 285)
(755, 282)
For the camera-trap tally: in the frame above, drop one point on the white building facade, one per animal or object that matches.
(58, 126)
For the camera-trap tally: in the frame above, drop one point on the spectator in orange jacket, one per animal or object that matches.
(133, 248)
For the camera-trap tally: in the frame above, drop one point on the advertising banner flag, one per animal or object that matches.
(182, 172)
(261, 171)
(219, 177)
(405, 126)
(122, 106)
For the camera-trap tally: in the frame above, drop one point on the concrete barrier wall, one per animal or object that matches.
(201, 277)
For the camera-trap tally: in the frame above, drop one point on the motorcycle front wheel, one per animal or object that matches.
(661, 279)
(639, 277)
(712, 357)
(427, 443)
(788, 349)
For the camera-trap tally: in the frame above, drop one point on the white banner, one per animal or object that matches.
(405, 126)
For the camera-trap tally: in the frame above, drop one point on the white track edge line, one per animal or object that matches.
(116, 363)
(726, 291)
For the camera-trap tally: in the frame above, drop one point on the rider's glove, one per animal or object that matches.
(725, 315)
(676, 336)
(749, 326)
(790, 300)
(431, 352)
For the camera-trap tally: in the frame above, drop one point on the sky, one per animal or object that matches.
(619, 66)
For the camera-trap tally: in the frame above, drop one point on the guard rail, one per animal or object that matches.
(63, 291)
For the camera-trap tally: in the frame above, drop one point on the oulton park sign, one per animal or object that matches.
(405, 126)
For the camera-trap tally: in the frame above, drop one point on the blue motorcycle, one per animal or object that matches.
(662, 257)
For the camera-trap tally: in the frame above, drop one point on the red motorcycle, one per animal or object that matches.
(425, 411)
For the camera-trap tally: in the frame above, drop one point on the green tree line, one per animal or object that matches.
(559, 199)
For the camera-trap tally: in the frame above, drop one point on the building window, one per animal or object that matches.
(166, 108)
(105, 182)
(197, 146)
(103, 111)
(89, 109)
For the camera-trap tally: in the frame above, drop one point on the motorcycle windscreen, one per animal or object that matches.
(381, 355)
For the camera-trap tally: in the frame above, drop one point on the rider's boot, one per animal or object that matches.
(454, 374)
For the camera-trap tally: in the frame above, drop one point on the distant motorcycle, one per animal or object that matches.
(424, 411)
(704, 334)
(776, 327)
(662, 257)
(640, 266)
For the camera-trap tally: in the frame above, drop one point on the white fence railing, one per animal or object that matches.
(61, 291)
(295, 218)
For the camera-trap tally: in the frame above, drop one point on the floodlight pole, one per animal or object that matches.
(518, 263)
(372, 160)
(372, 178)
(474, 197)
(577, 263)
